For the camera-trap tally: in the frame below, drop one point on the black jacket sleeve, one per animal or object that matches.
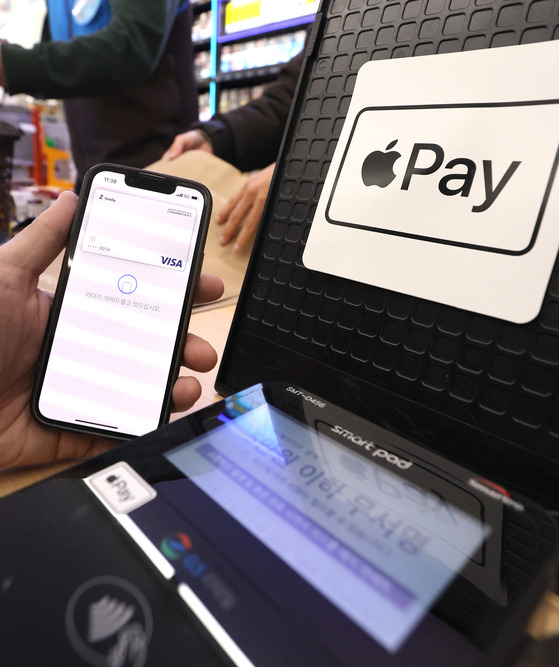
(250, 137)
(126, 51)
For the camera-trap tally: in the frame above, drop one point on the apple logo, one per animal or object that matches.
(378, 166)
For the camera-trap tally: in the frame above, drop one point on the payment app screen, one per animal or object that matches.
(380, 547)
(117, 328)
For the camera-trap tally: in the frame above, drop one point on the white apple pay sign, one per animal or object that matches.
(442, 185)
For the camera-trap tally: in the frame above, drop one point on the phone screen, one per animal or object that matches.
(111, 360)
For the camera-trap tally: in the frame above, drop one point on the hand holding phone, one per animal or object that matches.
(25, 312)
(118, 322)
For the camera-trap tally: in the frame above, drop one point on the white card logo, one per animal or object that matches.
(447, 190)
(378, 167)
(462, 188)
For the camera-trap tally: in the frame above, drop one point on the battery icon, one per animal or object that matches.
(194, 197)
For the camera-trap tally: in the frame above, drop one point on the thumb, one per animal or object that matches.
(179, 146)
(38, 245)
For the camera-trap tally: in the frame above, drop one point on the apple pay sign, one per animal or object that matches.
(448, 199)
(436, 184)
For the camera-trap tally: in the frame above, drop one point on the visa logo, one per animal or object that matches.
(171, 261)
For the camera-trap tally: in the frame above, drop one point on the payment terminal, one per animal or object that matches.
(272, 528)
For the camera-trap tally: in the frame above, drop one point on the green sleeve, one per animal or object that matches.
(124, 52)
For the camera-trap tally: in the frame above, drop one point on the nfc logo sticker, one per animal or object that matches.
(443, 184)
(120, 488)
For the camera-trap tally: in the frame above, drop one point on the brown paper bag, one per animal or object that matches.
(223, 180)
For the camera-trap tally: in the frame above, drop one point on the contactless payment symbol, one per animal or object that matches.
(120, 488)
(127, 284)
(109, 622)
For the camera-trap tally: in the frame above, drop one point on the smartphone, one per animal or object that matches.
(118, 322)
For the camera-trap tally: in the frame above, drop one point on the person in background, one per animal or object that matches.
(124, 69)
(249, 138)
(24, 311)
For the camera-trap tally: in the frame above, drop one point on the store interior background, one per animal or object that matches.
(236, 54)
(231, 69)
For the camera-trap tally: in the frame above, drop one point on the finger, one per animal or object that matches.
(186, 392)
(171, 153)
(186, 142)
(41, 242)
(210, 288)
(179, 146)
(229, 205)
(248, 230)
(236, 217)
(252, 219)
(199, 355)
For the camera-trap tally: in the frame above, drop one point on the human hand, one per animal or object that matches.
(241, 214)
(24, 311)
(188, 141)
